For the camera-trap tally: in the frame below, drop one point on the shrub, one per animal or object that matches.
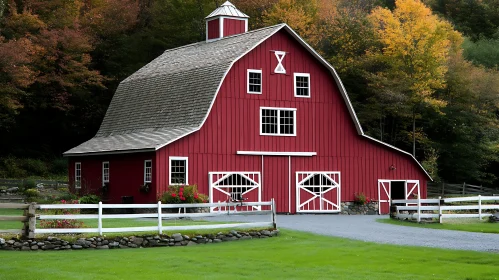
(31, 194)
(64, 223)
(27, 184)
(361, 199)
(59, 166)
(90, 199)
(12, 168)
(34, 167)
(183, 194)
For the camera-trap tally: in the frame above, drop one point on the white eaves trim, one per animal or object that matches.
(261, 153)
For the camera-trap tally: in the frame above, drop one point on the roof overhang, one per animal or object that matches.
(108, 153)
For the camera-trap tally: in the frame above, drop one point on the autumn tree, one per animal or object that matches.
(415, 46)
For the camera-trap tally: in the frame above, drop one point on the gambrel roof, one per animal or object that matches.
(171, 97)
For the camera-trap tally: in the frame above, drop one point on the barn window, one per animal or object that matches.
(178, 170)
(78, 175)
(105, 172)
(278, 121)
(237, 185)
(302, 85)
(147, 171)
(254, 81)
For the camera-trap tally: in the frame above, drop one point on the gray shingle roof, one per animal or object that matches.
(170, 97)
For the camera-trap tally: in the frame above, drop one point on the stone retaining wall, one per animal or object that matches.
(177, 239)
(351, 208)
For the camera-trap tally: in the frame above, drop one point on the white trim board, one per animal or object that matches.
(264, 153)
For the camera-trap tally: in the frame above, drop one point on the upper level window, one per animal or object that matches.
(178, 170)
(78, 175)
(254, 81)
(278, 121)
(302, 85)
(105, 172)
(147, 171)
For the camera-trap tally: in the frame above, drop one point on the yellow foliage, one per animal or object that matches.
(416, 45)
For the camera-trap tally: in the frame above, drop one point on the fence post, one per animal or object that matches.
(160, 221)
(419, 209)
(31, 220)
(464, 188)
(480, 207)
(440, 209)
(99, 219)
(274, 222)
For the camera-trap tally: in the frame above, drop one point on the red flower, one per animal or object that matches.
(174, 194)
(181, 193)
(182, 198)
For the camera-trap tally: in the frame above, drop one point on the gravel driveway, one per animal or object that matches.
(366, 228)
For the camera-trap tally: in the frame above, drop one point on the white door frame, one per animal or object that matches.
(382, 182)
(336, 185)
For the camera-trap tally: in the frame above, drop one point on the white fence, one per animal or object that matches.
(159, 215)
(434, 208)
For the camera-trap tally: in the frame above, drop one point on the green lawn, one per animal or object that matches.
(473, 225)
(293, 255)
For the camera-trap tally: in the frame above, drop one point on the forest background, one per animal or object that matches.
(422, 75)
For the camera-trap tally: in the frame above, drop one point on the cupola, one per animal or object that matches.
(225, 21)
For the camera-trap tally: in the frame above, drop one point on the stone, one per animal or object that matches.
(149, 238)
(123, 247)
(171, 244)
(216, 240)
(103, 247)
(153, 242)
(114, 244)
(266, 233)
(2, 241)
(229, 238)
(177, 237)
(25, 248)
(48, 247)
(186, 237)
(233, 232)
(77, 247)
(34, 247)
(17, 244)
(199, 237)
(40, 243)
(191, 243)
(157, 237)
(133, 245)
(246, 237)
(238, 235)
(178, 244)
(13, 189)
(105, 242)
(137, 240)
(184, 242)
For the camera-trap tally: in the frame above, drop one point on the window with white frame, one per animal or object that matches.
(147, 171)
(178, 170)
(255, 81)
(105, 172)
(78, 175)
(302, 85)
(278, 121)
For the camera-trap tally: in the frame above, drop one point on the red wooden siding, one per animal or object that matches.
(126, 174)
(323, 126)
(214, 29)
(233, 26)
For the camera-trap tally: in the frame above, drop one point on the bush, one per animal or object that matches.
(34, 167)
(62, 223)
(90, 199)
(183, 194)
(27, 184)
(11, 168)
(59, 166)
(361, 199)
(31, 194)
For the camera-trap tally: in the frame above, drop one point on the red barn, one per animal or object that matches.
(252, 113)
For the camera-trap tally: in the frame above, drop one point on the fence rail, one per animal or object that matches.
(28, 218)
(46, 183)
(430, 206)
(159, 215)
(446, 189)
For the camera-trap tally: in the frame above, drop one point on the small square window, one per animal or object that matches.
(255, 81)
(302, 85)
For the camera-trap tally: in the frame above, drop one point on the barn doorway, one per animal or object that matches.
(318, 192)
(235, 186)
(395, 189)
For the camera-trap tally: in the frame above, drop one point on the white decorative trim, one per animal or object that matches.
(77, 178)
(186, 170)
(307, 75)
(108, 172)
(280, 58)
(221, 26)
(145, 171)
(245, 25)
(248, 81)
(264, 153)
(278, 121)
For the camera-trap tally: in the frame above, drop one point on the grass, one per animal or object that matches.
(293, 255)
(473, 225)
